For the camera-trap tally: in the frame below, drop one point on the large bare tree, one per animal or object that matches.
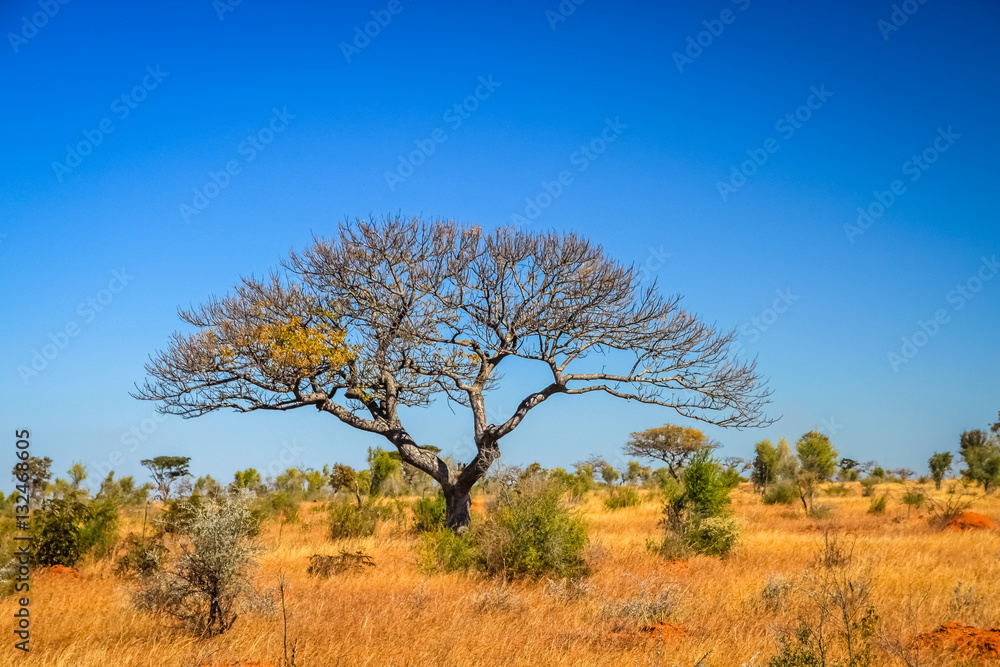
(394, 312)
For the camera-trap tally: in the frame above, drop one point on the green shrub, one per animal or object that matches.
(838, 491)
(621, 497)
(532, 534)
(99, 534)
(143, 556)
(713, 536)
(349, 520)
(442, 550)
(429, 514)
(878, 505)
(868, 485)
(782, 493)
(57, 530)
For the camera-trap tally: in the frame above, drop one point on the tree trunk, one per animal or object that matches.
(458, 503)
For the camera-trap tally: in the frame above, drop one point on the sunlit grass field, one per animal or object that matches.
(398, 614)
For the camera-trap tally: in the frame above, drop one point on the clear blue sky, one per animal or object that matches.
(186, 93)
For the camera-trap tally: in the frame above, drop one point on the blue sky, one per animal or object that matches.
(744, 138)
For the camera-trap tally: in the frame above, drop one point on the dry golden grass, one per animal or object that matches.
(395, 614)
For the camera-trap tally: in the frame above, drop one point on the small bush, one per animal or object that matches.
(532, 534)
(782, 493)
(621, 497)
(714, 536)
(838, 491)
(878, 505)
(444, 551)
(775, 592)
(210, 581)
(568, 590)
(349, 520)
(868, 485)
(57, 529)
(821, 512)
(429, 514)
(327, 566)
(99, 534)
(500, 598)
(646, 609)
(143, 556)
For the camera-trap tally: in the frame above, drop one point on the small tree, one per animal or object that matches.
(344, 477)
(166, 471)
(77, 474)
(817, 464)
(39, 472)
(674, 445)
(204, 587)
(982, 464)
(696, 515)
(248, 479)
(764, 469)
(609, 474)
(940, 465)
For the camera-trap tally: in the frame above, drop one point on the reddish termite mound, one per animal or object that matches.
(972, 521)
(963, 639)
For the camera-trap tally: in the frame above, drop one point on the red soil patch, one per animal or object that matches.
(665, 630)
(62, 572)
(964, 639)
(972, 521)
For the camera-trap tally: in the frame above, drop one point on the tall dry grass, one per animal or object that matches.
(396, 614)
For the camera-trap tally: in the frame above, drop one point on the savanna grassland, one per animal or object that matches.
(732, 610)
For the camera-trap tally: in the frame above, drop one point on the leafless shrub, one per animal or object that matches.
(944, 510)
(327, 566)
(652, 605)
(500, 598)
(569, 589)
(775, 592)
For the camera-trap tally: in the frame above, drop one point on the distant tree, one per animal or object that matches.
(207, 486)
(247, 479)
(674, 445)
(382, 466)
(609, 474)
(634, 473)
(940, 465)
(817, 464)
(996, 427)
(904, 473)
(764, 469)
(973, 438)
(346, 478)
(166, 471)
(393, 313)
(848, 470)
(982, 459)
(77, 474)
(39, 472)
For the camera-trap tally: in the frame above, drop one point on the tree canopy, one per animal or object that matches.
(392, 313)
